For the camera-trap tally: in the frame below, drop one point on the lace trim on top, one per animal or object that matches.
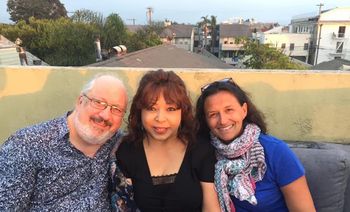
(164, 179)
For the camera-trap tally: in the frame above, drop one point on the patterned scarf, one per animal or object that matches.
(240, 165)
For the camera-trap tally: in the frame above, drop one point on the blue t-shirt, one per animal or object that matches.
(283, 167)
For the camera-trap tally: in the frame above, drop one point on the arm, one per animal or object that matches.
(210, 198)
(17, 175)
(297, 196)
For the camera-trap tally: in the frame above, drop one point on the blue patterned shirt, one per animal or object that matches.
(41, 171)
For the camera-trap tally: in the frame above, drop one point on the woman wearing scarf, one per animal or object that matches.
(254, 171)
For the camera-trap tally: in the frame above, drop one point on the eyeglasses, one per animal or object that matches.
(101, 105)
(204, 87)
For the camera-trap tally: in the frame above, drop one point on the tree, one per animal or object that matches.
(156, 27)
(213, 32)
(40, 9)
(58, 42)
(204, 26)
(88, 17)
(143, 38)
(114, 31)
(262, 56)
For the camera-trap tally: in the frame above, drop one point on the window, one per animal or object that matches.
(291, 47)
(283, 46)
(341, 31)
(306, 46)
(339, 47)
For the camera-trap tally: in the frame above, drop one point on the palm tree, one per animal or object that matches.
(204, 26)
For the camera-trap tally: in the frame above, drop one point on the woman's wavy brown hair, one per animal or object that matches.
(152, 84)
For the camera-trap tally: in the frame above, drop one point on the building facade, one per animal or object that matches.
(295, 45)
(330, 34)
(230, 41)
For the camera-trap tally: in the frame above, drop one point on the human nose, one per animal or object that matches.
(160, 116)
(223, 118)
(106, 113)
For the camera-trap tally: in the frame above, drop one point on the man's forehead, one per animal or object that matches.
(109, 89)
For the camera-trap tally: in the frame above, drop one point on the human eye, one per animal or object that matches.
(116, 110)
(211, 115)
(151, 108)
(230, 110)
(172, 108)
(99, 103)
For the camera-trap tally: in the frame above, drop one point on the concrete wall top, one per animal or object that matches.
(298, 105)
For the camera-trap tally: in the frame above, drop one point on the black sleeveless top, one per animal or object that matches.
(178, 192)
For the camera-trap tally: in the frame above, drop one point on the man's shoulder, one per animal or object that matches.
(44, 131)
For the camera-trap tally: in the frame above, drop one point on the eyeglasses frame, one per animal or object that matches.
(228, 79)
(105, 105)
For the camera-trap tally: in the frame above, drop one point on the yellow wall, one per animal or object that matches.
(302, 106)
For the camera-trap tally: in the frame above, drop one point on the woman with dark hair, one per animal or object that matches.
(169, 171)
(254, 171)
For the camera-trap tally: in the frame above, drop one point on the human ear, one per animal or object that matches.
(245, 109)
(79, 100)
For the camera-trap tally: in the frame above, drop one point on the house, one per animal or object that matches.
(9, 55)
(295, 45)
(180, 35)
(229, 47)
(164, 56)
(330, 33)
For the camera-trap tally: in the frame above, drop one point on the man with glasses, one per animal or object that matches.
(62, 164)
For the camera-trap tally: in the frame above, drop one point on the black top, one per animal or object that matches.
(183, 193)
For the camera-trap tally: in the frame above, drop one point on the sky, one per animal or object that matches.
(191, 11)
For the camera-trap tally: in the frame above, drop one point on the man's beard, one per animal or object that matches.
(86, 132)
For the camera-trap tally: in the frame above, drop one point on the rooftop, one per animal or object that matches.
(234, 30)
(336, 64)
(164, 56)
(179, 30)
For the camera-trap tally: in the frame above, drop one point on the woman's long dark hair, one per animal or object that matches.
(254, 116)
(152, 84)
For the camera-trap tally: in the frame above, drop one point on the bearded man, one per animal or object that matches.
(62, 164)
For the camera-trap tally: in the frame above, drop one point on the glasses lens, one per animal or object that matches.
(95, 103)
(98, 104)
(116, 111)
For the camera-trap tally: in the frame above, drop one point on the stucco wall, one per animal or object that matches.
(301, 106)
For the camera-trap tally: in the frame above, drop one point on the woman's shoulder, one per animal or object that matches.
(202, 143)
(276, 150)
(126, 150)
(272, 144)
(202, 148)
(269, 140)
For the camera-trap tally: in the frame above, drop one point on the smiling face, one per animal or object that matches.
(96, 126)
(224, 115)
(161, 121)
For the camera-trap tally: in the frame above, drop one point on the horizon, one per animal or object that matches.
(271, 11)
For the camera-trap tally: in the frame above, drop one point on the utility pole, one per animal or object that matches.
(149, 15)
(318, 37)
(318, 45)
(133, 20)
(320, 5)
